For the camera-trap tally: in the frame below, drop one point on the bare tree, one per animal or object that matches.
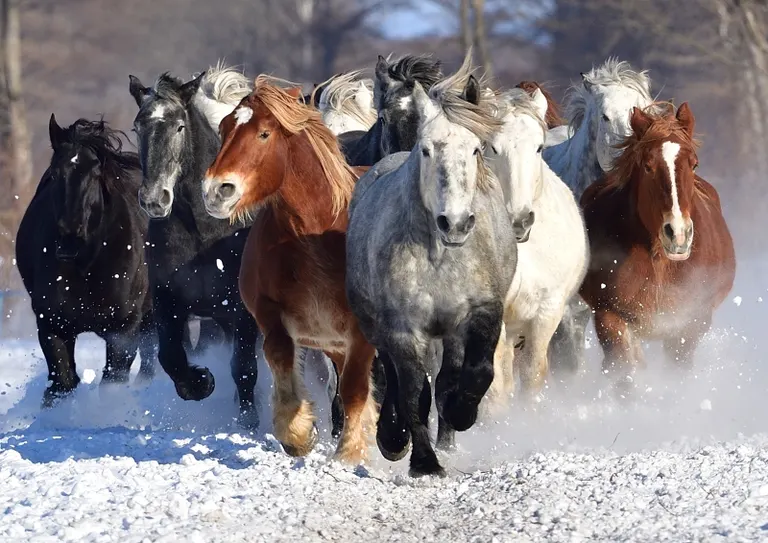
(10, 37)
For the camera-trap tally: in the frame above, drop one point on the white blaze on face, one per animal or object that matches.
(243, 114)
(74, 159)
(669, 151)
(158, 112)
(404, 103)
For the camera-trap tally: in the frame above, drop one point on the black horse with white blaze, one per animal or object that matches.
(80, 253)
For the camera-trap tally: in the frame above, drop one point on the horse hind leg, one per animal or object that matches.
(503, 384)
(244, 367)
(567, 351)
(292, 412)
(360, 411)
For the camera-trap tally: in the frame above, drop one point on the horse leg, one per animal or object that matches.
(59, 350)
(147, 347)
(244, 366)
(359, 409)
(680, 350)
(393, 435)
(503, 384)
(534, 374)
(463, 398)
(121, 350)
(567, 348)
(615, 339)
(191, 382)
(292, 416)
(337, 407)
(447, 377)
(415, 401)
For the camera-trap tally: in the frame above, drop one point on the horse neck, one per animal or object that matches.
(575, 160)
(303, 206)
(201, 148)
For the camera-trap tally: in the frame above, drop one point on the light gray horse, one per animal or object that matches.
(430, 256)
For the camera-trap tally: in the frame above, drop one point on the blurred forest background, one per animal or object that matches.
(73, 57)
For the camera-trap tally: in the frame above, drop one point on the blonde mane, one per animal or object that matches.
(479, 119)
(295, 117)
(339, 94)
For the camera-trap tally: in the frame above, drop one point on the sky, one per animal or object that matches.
(412, 22)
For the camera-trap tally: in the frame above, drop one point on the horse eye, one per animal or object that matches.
(540, 149)
(425, 152)
(493, 150)
(477, 151)
(264, 135)
(605, 118)
(180, 128)
(648, 168)
(695, 166)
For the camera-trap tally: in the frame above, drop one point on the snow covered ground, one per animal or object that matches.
(687, 462)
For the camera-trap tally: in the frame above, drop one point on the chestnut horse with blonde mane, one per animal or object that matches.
(662, 255)
(279, 158)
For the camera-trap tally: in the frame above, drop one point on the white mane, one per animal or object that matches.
(612, 72)
(221, 90)
(348, 100)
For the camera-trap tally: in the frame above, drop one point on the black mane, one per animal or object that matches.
(106, 143)
(422, 68)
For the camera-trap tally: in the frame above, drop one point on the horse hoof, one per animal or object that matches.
(390, 452)
(249, 419)
(458, 414)
(306, 448)
(428, 466)
(53, 396)
(198, 386)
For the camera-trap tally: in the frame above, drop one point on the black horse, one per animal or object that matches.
(398, 122)
(80, 253)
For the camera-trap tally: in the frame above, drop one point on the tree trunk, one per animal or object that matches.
(21, 155)
(481, 39)
(466, 29)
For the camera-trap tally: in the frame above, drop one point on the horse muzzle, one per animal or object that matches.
(677, 243)
(68, 248)
(220, 197)
(522, 226)
(156, 203)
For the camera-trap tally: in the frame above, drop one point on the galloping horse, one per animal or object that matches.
(80, 253)
(598, 109)
(650, 275)
(552, 249)
(346, 103)
(431, 255)
(279, 158)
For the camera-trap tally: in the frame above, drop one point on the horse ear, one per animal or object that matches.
(55, 132)
(541, 102)
(188, 89)
(472, 91)
(639, 121)
(382, 67)
(420, 98)
(586, 82)
(137, 89)
(685, 117)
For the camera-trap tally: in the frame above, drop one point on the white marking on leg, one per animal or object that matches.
(243, 114)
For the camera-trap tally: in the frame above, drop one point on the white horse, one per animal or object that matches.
(552, 243)
(598, 110)
(346, 103)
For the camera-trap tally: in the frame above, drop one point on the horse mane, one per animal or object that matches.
(106, 143)
(294, 117)
(479, 119)
(338, 93)
(663, 126)
(611, 72)
(221, 90)
(518, 99)
(553, 117)
(410, 68)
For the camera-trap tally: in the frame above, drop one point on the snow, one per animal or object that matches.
(687, 460)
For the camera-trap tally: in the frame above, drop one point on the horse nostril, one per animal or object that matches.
(668, 231)
(443, 224)
(531, 218)
(165, 198)
(227, 190)
(470, 224)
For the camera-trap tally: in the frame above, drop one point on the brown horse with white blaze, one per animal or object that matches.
(662, 256)
(279, 158)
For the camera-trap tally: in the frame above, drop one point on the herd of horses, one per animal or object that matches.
(407, 231)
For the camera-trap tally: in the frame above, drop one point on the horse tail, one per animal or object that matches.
(392, 433)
